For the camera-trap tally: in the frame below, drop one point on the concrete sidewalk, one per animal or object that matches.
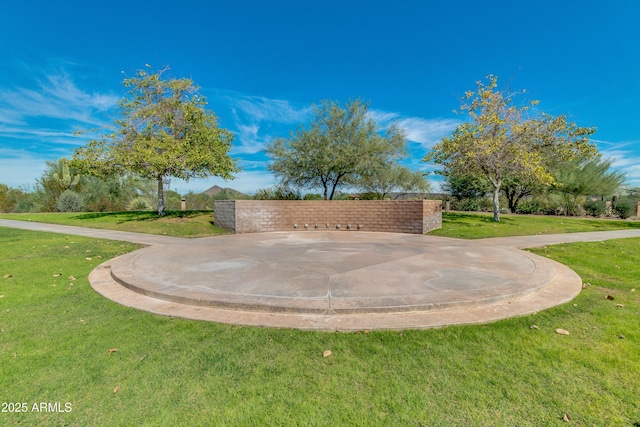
(556, 239)
(140, 238)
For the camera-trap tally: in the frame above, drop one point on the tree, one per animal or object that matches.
(57, 177)
(501, 142)
(387, 178)
(164, 130)
(592, 177)
(517, 188)
(465, 186)
(340, 145)
(9, 198)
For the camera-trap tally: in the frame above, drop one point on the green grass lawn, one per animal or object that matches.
(174, 223)
(479, 226)
(57, 341)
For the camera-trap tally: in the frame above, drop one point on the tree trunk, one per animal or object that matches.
(496, 203)
(333, 190)
(513, 202)
(160, 196)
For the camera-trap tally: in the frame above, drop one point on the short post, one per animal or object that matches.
(447, 205)
(638, 209)
(183, 204)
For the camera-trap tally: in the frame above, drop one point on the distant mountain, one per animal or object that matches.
(213, 190)
(230, 193)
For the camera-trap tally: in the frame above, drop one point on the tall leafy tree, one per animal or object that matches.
(392, 177)
(164, 130)
(593, 177)
(338, 148)
(501, 142)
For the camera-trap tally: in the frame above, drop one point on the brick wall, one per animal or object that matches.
(398, 216)
(225, 214)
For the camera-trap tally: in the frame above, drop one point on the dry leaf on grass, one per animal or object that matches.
(6, 276)
(326, 353)
(117, 389)
(566, 418)
(112, 350)
(562, 331)
(72, 278)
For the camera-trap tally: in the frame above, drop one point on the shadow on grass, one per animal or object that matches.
(472, 219)
(130, 216)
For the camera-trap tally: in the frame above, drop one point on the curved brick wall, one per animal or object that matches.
(398, 216)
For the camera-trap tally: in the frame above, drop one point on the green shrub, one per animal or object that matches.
(70, 201)
(467, 205)
(279, 192)
(313, 196)
(370, 195)
(528, 207)
(595, 208)
(624, 208)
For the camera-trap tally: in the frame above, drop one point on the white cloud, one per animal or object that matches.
(55, 97)
(20, 168)
(258, 119)
(426, 132)
(248, 140)
(261, 109)
(625, 157)
(382, 118)
(40, 134)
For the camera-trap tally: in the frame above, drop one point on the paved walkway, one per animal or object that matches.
(335, 280)
(140, 238)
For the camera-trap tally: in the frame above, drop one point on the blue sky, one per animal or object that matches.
(262, 64)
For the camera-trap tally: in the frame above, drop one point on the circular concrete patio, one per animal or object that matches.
(336, 280)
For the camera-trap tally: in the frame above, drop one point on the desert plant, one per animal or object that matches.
(595, 208)
(623, 208)
(70, 201)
